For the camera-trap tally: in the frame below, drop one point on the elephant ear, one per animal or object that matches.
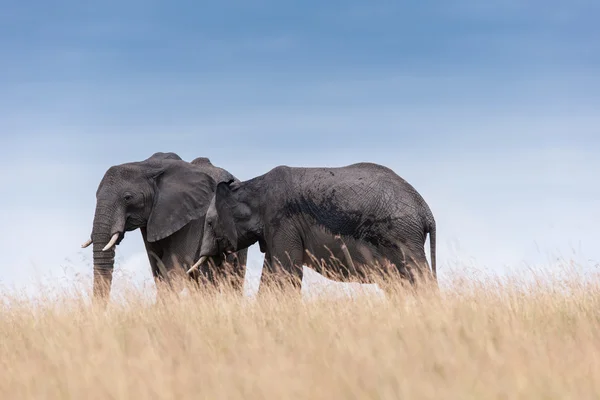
(183, 194)
(226, 204)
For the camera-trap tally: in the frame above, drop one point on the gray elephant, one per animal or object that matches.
(342, 220)
(167, 199)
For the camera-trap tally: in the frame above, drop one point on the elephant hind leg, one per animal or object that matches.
(417, 264)
(393, 271)
(408, 264)
(282, 269)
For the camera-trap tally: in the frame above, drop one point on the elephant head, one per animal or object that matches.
(232, 222)
(160, 195)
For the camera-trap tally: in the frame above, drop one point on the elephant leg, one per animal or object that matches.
(157, 267)
(234, 271)
(283, 266)
(177, 266)
(417, 263)
(160, 276)
(392, 268)
(242, 260)
(267, 275)
(412, 266)
(171, 274)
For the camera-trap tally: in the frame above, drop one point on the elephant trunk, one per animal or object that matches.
(104, 261)
(209, 246)
(104, 258)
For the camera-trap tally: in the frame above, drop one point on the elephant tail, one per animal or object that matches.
(432, 248)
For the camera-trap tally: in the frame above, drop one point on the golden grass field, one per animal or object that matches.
(475, 339)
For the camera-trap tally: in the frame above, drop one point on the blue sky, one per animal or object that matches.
(488, 108)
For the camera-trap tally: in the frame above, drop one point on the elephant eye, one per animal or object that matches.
(128, 197)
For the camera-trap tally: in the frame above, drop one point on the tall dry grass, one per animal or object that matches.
(487, 339)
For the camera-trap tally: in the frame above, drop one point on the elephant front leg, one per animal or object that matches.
(282, 270)
(234, 271)
(171, 277)
(161, 281)
(157, 267)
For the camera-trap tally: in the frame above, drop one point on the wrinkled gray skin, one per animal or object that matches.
(290, 211)
(166, 198)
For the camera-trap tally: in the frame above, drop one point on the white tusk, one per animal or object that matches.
(113, 240)
(86, 244)
(199, 263)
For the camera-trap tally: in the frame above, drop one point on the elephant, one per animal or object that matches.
(343, 220)
(167, 199)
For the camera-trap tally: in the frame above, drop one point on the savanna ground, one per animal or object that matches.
(492, 338)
